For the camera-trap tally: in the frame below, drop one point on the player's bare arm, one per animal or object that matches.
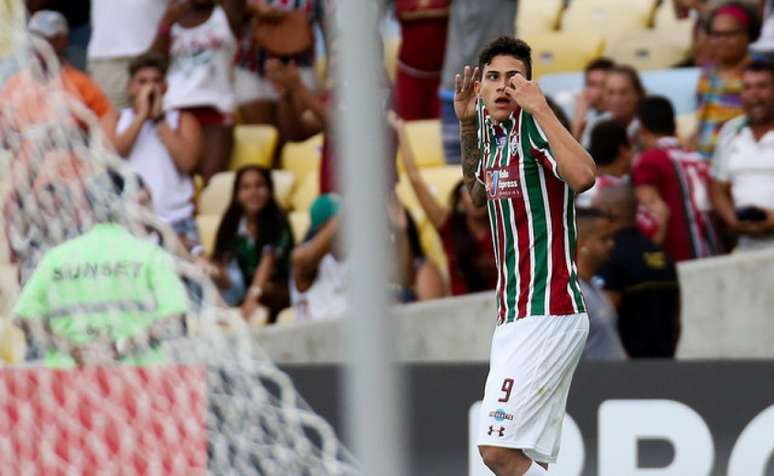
(575, 164)
(465, 100)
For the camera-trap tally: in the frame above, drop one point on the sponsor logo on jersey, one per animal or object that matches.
(500, 415)
(499, 430)
(503, 183)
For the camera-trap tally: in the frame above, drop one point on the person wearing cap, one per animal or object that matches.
(53, 27)
(318, 282)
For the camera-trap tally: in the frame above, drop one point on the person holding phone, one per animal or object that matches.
(743, 165)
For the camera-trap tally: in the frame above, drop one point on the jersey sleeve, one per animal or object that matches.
(648, 169)
(534, 140)
(33, 302)
(168, 289)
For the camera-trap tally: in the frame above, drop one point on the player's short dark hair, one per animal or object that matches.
(760, 67)
(631, 74)
(602, 63)
(607, 138)
(148, 60)
(656, 114)
(508, 46)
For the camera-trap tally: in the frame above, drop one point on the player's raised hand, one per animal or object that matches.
(526, 94)
(465, 94)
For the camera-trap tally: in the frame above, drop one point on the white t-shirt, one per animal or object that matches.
(327, 295)
(122, 28)
(171, 191)
(201, 72)
(748, 165)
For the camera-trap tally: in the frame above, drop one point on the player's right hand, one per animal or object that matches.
(465, 97)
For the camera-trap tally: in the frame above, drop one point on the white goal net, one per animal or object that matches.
(212, 403)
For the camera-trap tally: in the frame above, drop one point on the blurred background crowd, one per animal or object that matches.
(225, 112)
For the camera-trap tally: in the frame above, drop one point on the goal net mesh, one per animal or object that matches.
(216, 405)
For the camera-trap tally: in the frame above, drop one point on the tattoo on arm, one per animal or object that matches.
(471, 156)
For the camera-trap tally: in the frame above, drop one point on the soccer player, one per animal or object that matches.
(520, 162)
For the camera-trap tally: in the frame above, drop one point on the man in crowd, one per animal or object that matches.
(743, 168)
(590, 103)
(613, 153)
(121, 30)
(318, 284)
(672, 184)
(162, 148)
(595, 240)
(640, 280)
(53, 27)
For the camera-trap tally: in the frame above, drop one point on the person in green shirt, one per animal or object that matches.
(103, 297)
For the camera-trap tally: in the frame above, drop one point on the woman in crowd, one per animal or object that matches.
(463, 227)
(731, 28)
(199, 38)
(623, 92)
(253, 246)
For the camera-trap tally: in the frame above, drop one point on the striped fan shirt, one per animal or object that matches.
(532, 218)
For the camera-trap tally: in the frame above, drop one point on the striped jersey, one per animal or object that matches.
(532, 218)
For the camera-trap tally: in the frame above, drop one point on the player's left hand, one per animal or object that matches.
(526, 94)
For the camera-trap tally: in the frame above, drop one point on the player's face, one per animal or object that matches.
(253, 193)
(144, 77)
(494, 79)
(595, 87)
(758, 96)
(620, 97)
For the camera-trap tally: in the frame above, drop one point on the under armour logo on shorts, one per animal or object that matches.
(499, 430)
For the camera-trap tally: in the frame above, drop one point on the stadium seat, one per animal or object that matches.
(538, 16)
(301, 158)
(666, 21)
(253, 145)
(391, 48)
(208, 230)
(649, 49)
(441, 181)
(215, 197)
(609, 18)
(563, 51)
(424, 139)
(305, 192)
(299, 223)
(286, 316)
(13, 344)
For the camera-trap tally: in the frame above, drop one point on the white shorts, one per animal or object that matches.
(249, 86)
(531, 367)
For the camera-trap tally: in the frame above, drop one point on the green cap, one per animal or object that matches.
(323, 209)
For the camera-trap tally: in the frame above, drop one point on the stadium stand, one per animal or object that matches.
(609, 18)
(538, 16)
(563, 51)
(253, 145)
(649, 49)
(424, 138)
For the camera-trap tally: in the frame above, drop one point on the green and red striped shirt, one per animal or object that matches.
(532, 217)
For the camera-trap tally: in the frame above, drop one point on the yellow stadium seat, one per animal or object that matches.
(301, 158)
(424, 139)
(609, 18)
(253, 145)
(538, 16)
(666, 21)
(215, 197)
(13, 344)
(299, 223)
(441, 181)
(562, 52)
(305, 192)
(649, 49)
(208, 231)
(432, 245)
(286, 316)
(391, 48)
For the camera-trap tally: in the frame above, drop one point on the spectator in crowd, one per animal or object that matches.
(253, 247)
(640, 280)
(163, 148)
(199, 37)
(319, 274)
(275, 29)
(672, 183)
(120, 30)
(590, 103)
(743, 168)
(613, 153)
(414, 276)
(77, 14)
(53, 27)
(471, 24)
(595, 240)
(623, 91)
(463, 227)
(423, 25)
(731, 28)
